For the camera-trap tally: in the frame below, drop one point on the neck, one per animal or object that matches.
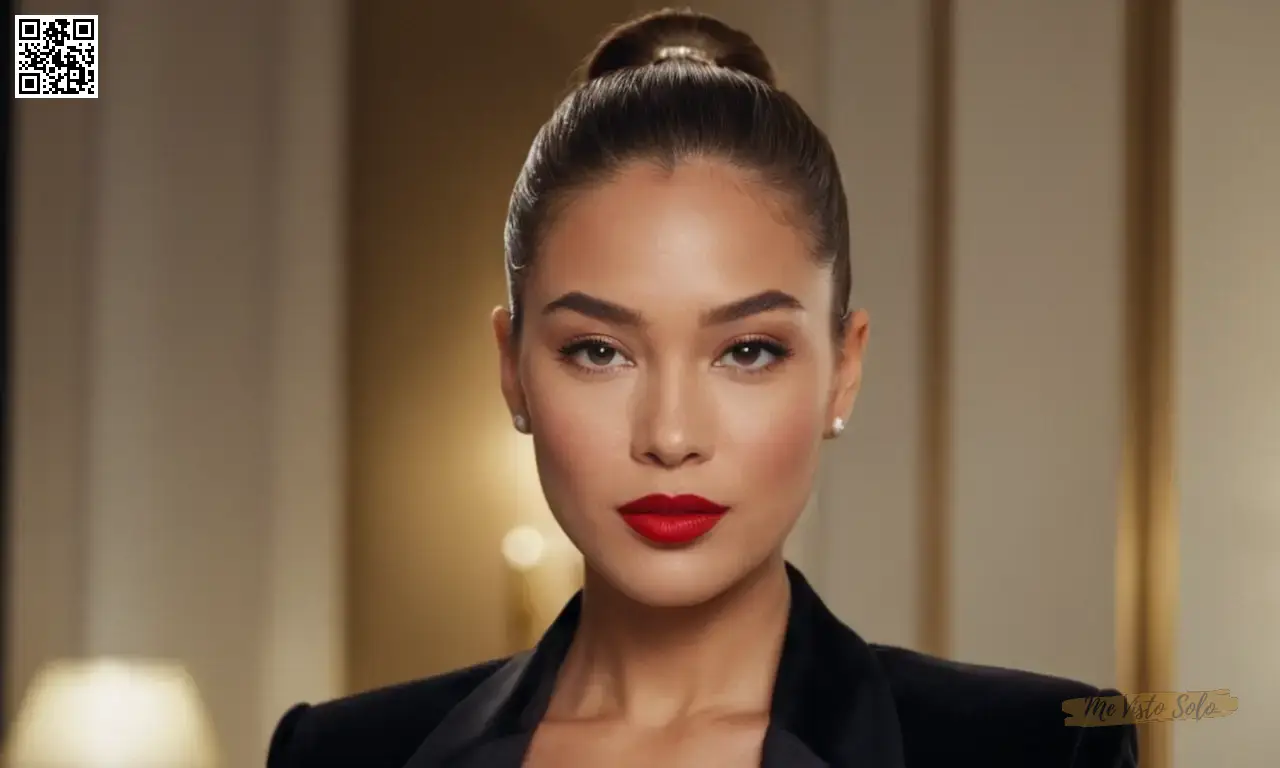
(658, 665)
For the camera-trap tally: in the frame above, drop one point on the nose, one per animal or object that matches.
(671, 428)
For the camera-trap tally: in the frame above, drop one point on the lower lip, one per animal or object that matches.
(672, 529)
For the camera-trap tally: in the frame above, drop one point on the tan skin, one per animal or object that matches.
(674, 659)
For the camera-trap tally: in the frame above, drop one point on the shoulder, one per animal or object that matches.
(375, 729)
(954, 713)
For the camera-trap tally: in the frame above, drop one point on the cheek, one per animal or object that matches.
(769, 435)
(582, 437)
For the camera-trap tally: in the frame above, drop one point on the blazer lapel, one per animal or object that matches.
(831, 707)
(493, 726)
(830, 698)
(478, 717)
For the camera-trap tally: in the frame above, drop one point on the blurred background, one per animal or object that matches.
(253, 421)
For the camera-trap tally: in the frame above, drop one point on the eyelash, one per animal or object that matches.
(779, 351)
(570, 350)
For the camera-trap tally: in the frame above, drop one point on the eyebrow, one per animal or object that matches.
(616, 314)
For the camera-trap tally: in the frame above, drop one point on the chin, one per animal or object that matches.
(671, 578)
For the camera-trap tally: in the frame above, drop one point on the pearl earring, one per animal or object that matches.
(837, 426)
(521, 423)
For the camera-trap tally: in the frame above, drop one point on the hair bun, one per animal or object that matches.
(674, 34)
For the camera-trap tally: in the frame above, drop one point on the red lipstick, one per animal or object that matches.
(672, 519)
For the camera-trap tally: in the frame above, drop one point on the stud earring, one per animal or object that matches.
(837, 426)
(521, 423)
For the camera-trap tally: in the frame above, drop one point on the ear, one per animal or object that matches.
(847, 377)
(508, 361)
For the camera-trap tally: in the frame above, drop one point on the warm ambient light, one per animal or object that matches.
(523, 547)
(111, 714)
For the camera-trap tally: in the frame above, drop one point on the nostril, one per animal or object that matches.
(672, 460)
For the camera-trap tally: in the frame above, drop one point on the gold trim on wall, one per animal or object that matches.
(935, 598)
(1147, 551)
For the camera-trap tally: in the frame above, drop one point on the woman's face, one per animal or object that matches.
(677, 340)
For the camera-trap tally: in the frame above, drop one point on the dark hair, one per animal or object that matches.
(669, 86)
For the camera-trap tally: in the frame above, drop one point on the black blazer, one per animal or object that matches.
(838, 702)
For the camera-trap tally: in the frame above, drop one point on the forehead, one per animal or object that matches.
(703, 231)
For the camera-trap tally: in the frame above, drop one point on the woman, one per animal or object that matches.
(678, 343)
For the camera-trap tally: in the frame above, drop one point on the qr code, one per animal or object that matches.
(56, 57)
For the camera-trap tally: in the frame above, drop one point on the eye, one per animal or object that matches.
(594, 355)
(754, 355)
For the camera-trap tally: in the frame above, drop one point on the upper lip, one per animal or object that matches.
(661, 504)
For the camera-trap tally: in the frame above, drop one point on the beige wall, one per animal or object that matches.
(1035, 253)
(869, 512)
(176, 479)
(1037, 333)
(1227, 354)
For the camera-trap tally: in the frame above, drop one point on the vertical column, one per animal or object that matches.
(1037, 330)
(306, 618)
(936, 365)
(1226, 359)
(1147, 586)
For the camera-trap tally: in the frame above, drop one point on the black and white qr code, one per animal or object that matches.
(56, 57)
